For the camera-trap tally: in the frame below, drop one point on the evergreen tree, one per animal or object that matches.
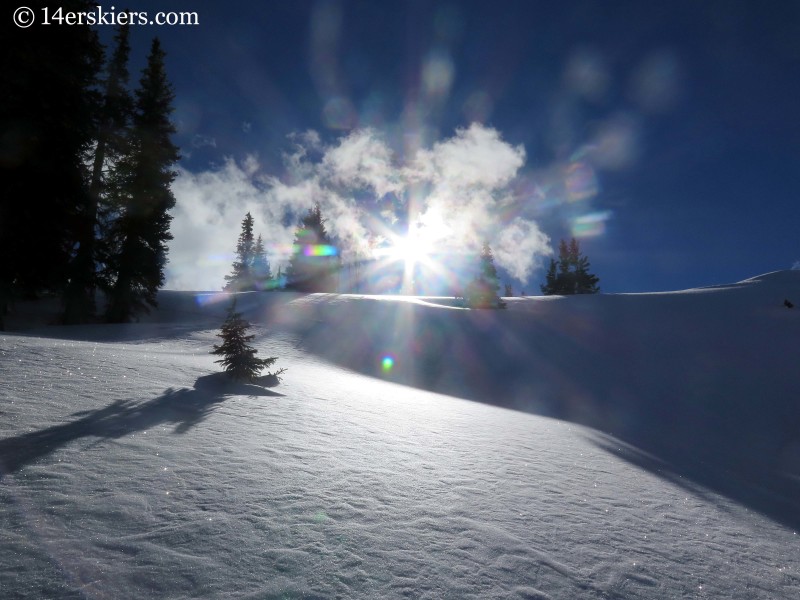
(585, 282)
(262, 273)
(113, 122)
(481, 292)
(508, 291)
(314, 265)
(241, 279)
(47, 119)
(238, 357)
(570, 275)
(551, 279)
(566, 273)
(141, 231)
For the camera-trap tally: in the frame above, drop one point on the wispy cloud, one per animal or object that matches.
(201, 141)
(365, 190)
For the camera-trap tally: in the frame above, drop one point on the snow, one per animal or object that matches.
(611, 446)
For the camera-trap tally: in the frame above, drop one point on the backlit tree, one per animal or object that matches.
(314, 265)
(239, 358)
(570, 274)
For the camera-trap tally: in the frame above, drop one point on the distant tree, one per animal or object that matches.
(508, 291)
(262, 273)
(141, 232)
(314, 265)
(241, 278)
(481, 292)
(551, 284)
(570, 275)
(114, 116)
(238, 357)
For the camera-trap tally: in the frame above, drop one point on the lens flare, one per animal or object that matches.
(211, 298)
(387, 363)
(316, 250)
(590, 225)
(581, 181)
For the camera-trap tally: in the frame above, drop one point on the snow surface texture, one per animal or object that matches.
(666, 465)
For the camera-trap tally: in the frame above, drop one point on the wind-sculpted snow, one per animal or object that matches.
(130, 469)
(705, 380)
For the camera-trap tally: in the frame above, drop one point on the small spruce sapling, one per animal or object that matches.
(238, 357)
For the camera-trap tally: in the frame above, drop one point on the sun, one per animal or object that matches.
(418, 251)
(409, 249)
(422, 240)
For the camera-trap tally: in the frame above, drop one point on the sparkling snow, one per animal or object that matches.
(666, 466)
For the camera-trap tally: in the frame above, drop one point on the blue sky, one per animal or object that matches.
(665, 134)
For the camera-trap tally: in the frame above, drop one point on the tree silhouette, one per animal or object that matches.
(570, 275)
(238, 357)
(262, 273)
(314, 265)
(241, 278)
(47, 118)
(113, 122)
(141, 232)
(481, 292)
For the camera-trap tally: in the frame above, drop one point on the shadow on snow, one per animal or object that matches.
(700, 388)
(184, 408)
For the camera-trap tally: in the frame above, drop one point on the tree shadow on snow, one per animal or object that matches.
(184, 408)
(705, 473)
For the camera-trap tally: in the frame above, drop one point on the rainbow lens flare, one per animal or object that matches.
(317, 250)
(590, 225)
(387, 363)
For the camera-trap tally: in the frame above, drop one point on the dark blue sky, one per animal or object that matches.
(689, 112)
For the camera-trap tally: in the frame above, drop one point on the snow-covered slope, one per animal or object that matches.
(613, 446)
(707, 380)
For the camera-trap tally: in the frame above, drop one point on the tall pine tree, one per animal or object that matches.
(141, 231)
(570, 275)
(47, 120)
(314, 265)
(113, 122)
(262, 273)
(241, 278)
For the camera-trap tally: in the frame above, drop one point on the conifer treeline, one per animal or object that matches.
(570, 275)
(85, 172)
(251, 268)
(315, 266)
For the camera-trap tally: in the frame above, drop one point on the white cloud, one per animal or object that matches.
(461, 181)
(362, 160)
(476, 156)
(520, 246)
(207, 220)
